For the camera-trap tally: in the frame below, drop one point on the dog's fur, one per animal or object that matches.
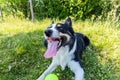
(70, 49)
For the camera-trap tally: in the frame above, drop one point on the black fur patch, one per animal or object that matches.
(82, 43)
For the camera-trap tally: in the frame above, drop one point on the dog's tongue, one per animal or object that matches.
(52, 49)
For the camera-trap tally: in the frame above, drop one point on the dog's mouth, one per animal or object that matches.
(54, 43)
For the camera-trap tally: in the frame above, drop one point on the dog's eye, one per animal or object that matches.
(60, 28)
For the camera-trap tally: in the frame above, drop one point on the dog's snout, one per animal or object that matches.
(48, 32)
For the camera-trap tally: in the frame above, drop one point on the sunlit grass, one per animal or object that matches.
(22, 49)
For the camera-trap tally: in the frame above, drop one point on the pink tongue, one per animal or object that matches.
(52, 49)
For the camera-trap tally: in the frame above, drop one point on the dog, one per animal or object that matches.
(65, 47)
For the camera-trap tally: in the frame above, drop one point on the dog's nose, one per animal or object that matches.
(48, 32)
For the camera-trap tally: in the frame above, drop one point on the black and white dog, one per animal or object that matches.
(65, 47)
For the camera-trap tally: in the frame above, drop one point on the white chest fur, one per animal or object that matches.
(64, 56)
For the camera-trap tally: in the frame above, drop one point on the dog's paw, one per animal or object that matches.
(41, 78)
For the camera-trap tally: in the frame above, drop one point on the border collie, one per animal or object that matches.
(65, 47)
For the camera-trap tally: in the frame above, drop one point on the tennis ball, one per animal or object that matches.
(51, 77)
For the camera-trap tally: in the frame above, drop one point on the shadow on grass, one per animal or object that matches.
(21, 58)
(98, 66)
(93, 68)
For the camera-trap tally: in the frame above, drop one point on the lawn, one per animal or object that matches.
(22, 49)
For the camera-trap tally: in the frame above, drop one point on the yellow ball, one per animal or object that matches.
(51, 77)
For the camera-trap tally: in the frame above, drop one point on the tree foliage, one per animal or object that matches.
(79, 9)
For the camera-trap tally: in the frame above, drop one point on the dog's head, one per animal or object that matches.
(58, 34)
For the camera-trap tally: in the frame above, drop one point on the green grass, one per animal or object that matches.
(22, 49)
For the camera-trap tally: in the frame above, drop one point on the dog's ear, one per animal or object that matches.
(68, 22)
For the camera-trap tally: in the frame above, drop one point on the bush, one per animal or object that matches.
(79, 9)
(63, 8)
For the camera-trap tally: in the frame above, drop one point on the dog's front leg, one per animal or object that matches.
(77, 69)
(51, 68)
